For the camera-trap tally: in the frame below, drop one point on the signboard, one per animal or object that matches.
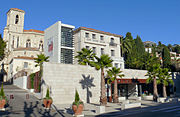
(50, 46)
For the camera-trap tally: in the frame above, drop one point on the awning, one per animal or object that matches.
(130, 81)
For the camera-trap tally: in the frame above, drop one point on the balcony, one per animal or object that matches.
(112, 44)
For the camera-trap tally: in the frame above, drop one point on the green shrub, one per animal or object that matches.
(47, 94)
(32, 80)
(77, 100)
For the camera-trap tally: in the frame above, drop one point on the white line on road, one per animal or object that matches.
(165, 108)
(173, 110)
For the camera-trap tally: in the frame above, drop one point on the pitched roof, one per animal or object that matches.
(31, 49)
(16, 9)
(33, 30)
(24, 57)
(97, 31)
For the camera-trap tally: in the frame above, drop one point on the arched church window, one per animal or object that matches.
(28, 43)
(17, 19)
(41, 45)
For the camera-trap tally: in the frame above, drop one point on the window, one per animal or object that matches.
(13, 42)
(112, 40)
(102, 51)
(87, 47)
(94, 36)
(87, 35)
(102, 38)
(17, 42)
(25, 64)
(28, 43)
(94, 49)
(116, 65)
(41, 45)
(112, 53)
(17, 19)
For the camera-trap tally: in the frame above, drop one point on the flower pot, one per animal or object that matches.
(77, 109)
(2, 103)
(47, 103)
(110, 98)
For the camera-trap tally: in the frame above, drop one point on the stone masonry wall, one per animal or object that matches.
(64, 79)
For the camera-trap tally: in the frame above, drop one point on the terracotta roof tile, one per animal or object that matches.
(24, 57)
(31, 49)
(33, 30)
(16, 9)
(97, 31)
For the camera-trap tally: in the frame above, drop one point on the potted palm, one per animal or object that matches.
(3, 99)
(77, 105)
(47, 101)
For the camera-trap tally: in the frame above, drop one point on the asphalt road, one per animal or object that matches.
(162, 110)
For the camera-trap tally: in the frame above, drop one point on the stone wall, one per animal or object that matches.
(21, 82)
(64, 79)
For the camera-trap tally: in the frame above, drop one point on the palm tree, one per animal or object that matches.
(164, 78)
(153, 72)
(113, 73)
(84, 56)
(40, 60)
(125, 46)
(100, 64)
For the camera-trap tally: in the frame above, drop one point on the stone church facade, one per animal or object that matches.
(22, 45)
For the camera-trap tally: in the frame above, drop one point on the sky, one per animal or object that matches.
(152, 20)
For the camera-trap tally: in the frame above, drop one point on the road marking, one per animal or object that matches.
(173, 110)
(165, 108)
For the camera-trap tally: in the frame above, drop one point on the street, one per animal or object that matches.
(23, 104)
(162, 110)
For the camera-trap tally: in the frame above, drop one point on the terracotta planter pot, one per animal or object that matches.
(47, 103)
(78, 109)
(2, 103)
(110, 98)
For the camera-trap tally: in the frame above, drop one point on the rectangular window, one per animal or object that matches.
(94, 36)
(87, 47)
(94, 49)
(17, 42)
(112, 53)
(102, 38)
(87, 35)
(66, 56)
(102, 51)
(116, 65)
(66, 37)
(25, 64)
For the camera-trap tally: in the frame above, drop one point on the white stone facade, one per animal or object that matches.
(21, 44)
(56, 40)
(100, 42)
(64, 79)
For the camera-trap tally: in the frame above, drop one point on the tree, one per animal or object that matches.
(177, 49)
(85, 56)
(164, 78)
(125, 46)
(166, 58)
(2, 48)
(40, 60)
(113, 74)
(100, 64)
(152, 74)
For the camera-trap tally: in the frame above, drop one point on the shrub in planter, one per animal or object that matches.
(77, 105)
(3, 99)
(47, 100)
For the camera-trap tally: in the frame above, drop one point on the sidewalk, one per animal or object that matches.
(90, 109)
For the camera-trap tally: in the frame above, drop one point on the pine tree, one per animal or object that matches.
(166, 57)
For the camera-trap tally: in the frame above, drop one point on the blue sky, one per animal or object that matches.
(152, 20)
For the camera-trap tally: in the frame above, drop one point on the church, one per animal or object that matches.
(22, 46)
